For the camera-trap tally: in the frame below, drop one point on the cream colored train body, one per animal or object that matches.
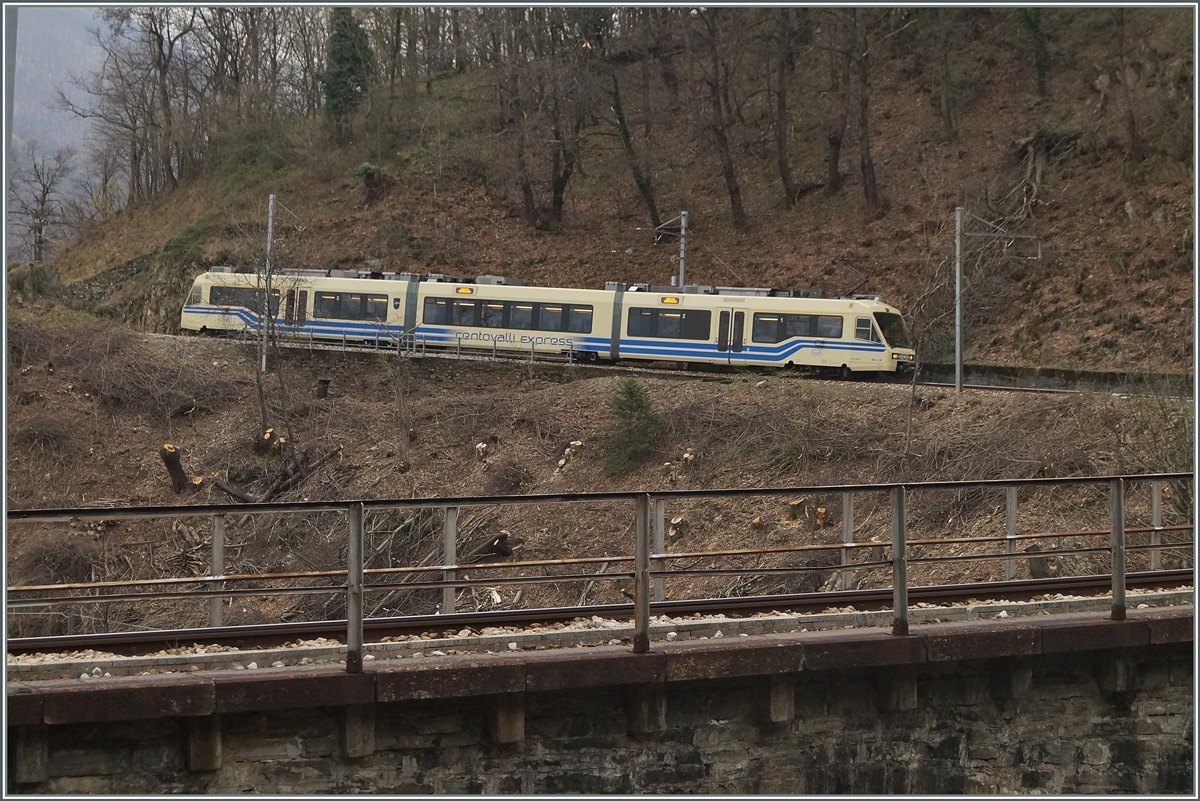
(702, 325)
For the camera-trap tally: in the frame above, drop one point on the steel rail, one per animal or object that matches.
(140, 642)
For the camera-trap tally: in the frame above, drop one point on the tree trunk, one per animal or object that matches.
(833, 183)
(564, 168)
(1032, 20)
(1136, 151)
(720, 123)
(866, 161)
(644, 187)
(786, 63)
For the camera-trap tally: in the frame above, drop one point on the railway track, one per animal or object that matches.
(977, 377)
(377, 629)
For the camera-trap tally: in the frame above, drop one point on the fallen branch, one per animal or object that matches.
(233, 491)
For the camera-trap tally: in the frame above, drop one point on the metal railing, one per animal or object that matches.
(649, 563)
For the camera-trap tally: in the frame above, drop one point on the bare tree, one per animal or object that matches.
(36, 197)
(717, 77)
(859, 51)
(836, 114)
(1136, 150)
(785, 65)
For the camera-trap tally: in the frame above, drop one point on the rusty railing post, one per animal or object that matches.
(847, 538)
(1156, 521)
(641, 578)
(658, 545)
(450, 557)
(354, 590)
(1010, 531)
(899, 564)
(217, 566)
(1116, 493)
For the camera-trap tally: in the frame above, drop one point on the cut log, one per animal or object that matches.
(179, 477)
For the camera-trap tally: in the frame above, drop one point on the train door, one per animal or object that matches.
(731, 336)
(295, 313)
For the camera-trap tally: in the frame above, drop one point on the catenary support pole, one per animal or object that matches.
(958, 338)
(682, 249)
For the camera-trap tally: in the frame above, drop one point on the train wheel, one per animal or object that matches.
(846, 373)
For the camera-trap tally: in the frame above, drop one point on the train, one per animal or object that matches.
(694, 324)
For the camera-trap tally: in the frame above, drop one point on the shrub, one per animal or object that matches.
(631, 434)
(46, 435)
(34, 279)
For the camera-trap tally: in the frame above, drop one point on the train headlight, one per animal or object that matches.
(902, 357)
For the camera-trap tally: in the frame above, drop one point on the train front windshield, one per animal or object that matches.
(892, 326)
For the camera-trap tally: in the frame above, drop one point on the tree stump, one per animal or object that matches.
(179, 477)
(268, 442)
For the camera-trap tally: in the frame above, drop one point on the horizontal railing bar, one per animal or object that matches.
(27, 603)
(974, 557)
(1042, 535)
(309, 507)
(312, 574)
(851, 546)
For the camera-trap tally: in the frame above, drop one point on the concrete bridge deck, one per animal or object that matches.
(1060, 703)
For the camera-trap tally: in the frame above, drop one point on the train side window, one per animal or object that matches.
(766, 328)
(641, 323)
(579, 319)
(246, 297)
(550, 318)
(325, 304)
(376, 307)
(350, 306)
(673, 324)
(829, 326)
(493, 315)
(462, 312)
(697, 324)
(289, 308)
(798, 325)
(437, 311)
(520, 315)
(670, 325)
(302, 310)
(864, 330)
(196, 296)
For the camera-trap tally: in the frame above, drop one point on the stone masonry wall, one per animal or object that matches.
(1096, 722)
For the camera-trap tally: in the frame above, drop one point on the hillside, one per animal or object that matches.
(431, 186)
(90, 405)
